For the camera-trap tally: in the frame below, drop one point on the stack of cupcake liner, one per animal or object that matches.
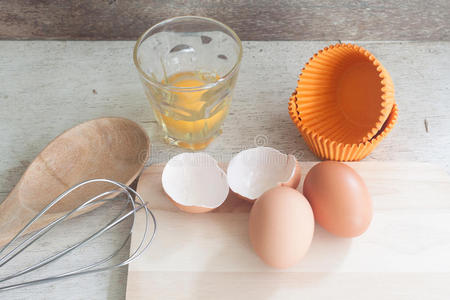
(344, 103)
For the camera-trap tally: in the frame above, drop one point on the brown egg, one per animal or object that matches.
(339, 198)
(281, 226)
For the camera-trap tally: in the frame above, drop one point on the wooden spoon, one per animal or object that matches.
(112, 148)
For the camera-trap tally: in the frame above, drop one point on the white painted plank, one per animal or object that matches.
(48, 86)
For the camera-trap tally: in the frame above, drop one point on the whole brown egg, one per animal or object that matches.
(339, 198)
(281, 227)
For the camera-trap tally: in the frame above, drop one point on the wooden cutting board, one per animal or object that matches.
(405, 254)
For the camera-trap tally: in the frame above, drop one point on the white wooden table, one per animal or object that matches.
(47, 87)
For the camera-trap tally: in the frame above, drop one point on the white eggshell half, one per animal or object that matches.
(195, 182)
(254, 171)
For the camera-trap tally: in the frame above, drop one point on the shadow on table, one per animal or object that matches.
(326, 254)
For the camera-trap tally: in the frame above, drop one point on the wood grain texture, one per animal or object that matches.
(209, 255)
(262, 285)
(252, 20)
(111, 148)
(48, 86)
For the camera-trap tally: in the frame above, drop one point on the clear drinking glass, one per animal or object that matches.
(189, 66)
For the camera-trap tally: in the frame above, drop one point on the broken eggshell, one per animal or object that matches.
(194, 182)
(254, 171)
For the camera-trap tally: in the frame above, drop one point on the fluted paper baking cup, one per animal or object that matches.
(326, 148)
(344, 94)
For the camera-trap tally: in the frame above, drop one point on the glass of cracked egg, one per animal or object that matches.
(188, 67)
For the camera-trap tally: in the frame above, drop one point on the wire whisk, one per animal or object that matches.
(133, 204)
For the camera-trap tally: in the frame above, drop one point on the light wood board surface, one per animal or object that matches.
(208, 256)
(47, 87)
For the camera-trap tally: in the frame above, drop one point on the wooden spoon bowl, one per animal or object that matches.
(111, 148)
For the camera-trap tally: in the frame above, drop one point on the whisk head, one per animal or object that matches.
(132, 204)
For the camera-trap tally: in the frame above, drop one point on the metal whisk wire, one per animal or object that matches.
(136, 204)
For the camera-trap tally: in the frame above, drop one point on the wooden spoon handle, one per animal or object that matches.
(13, 216)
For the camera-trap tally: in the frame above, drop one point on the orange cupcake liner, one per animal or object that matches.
(326, 148)
(345, 94)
